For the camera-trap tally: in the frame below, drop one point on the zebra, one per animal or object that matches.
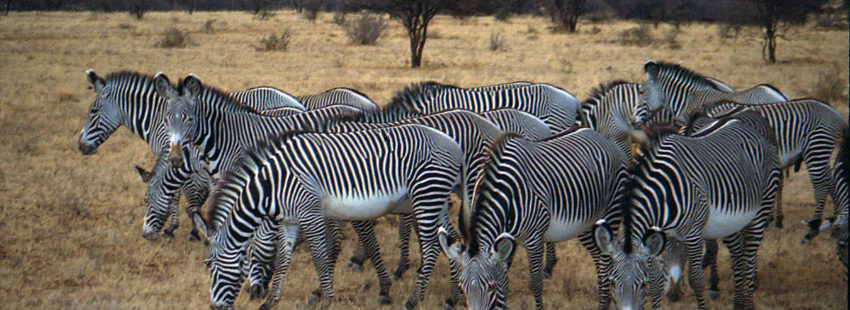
(682, 92)
(267, 97)
(807, 131)
(339, 95)
(682, 188)
(522, 123)
(129, 99)
(534, 192)
(841, 201)
(301, 180)
(554, 106)
(215, 142)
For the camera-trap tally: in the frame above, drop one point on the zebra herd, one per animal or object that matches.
(647, 176)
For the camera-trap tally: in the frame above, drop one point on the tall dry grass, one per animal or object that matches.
(70, 225)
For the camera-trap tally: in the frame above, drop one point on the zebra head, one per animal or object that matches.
(104, 115)
(651, 97)
(483, 275)
(180, 117)
(631, 267)
(226, 274)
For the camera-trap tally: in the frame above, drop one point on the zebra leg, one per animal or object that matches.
(551, 260)
(709, 260)
(404, 227)
(287, 234)
(740, 266)
(173, 216)
(602, 264)
(355, 262)
(368, 241)
(199, 190)
(820, 172)
(534, 246)
(262, 255)
(693, 246)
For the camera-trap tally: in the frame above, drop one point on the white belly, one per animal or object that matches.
(722, 224)
(364, 208)
(565, 230)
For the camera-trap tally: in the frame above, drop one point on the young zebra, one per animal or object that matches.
(535, 192)
(129, 99)
(301, 180)
(718, 183)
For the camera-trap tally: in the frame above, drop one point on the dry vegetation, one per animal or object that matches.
(70, 225)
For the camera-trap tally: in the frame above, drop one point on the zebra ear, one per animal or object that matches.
(163, 86)
(654, 242)
(503, 247)
(453, 250)
(191, 85)
(96, 82)
(651, 67)
(603, 237)
(144, 174)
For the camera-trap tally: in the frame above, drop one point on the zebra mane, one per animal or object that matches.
(685, 73)
(132, 75)
(224, 99)
(494, 154)
(413, 94)
(598, 92)
(627, 203)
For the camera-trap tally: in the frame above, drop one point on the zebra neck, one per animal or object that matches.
(144, 114)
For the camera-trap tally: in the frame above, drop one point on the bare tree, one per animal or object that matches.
(565, 13)
(413, 15)
(138, 8)
(774, 17)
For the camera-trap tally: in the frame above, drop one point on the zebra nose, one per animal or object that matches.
(150, 235)
(87, 149)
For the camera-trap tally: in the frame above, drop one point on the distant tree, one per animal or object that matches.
(414, 15)
(138, 8)
(774, 17)
(565, 13)
(8, 7)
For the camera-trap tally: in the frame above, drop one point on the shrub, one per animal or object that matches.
(311, 10)
(497, 42)
(264, 14)
(208, 27)
(639, 36)
(830, 85)
(339, 18)
(174, 38)
(502, 14)
(276, 43)
(366, 29)
(727, 31)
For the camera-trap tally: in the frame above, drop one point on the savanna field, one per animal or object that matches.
(70, 225)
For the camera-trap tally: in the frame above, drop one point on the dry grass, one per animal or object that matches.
(70, 225)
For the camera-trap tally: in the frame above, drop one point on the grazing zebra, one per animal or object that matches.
(213, 129)
(301, 180)
(340, 95)
(129, 99)
(683, 92)
(535, 192)
(807, 131)
(841, 200)
(721, 182)
(554, 106)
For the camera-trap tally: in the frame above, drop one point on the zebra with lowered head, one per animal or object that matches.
(719, 183)
(302, 180)
(530, 193)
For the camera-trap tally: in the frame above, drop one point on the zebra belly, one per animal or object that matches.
(561, 230)
(722, 224)
(365, 208)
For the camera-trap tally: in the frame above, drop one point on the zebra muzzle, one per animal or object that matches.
(175, 155)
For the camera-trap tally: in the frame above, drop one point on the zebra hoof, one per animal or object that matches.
(450, 304)
(150, 236)
(778, 222)
(354, 266)
(713, 294)
(193, 236)
(399, 273)
(168, 233)
(258, 292)
(264, 306)
(384, 300)
(547, 274)
(675, 296)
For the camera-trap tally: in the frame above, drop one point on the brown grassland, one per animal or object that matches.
(70, 225)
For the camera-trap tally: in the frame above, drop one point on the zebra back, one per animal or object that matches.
(335, 96)
(266, 97)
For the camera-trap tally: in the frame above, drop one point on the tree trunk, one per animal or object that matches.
(8, 6)
(191, 6)
(768, 52)
(417, 35)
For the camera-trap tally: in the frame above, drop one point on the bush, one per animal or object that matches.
(276, 43)
(727, 31)
(174, 38)
(830, 85)
(208, 27)
(311, 10)
(365, 30)
(639, 36)
(339, 18)
(264, 14)
(497, 42)
(502, 14)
